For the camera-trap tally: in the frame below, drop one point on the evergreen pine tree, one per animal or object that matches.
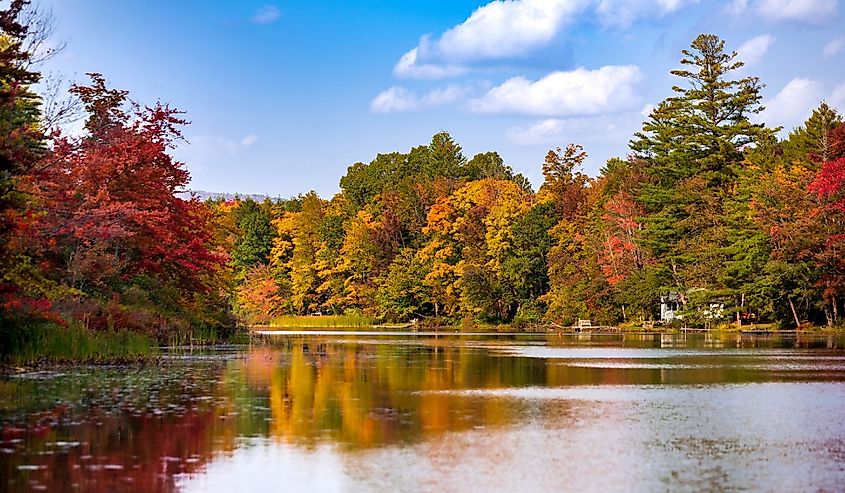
(692, 147)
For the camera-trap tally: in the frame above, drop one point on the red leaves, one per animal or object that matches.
(830, 183)
(109, 203)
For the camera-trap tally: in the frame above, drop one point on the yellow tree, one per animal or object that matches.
(470, 234)
(295, 251)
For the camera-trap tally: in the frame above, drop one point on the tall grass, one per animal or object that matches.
(322, 322)
(51, 343)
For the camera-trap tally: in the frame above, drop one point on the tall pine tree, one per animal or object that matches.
(692, 147)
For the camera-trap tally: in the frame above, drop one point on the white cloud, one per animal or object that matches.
(837, 99)
(500, 29)
(267, 14)
(407, 67)
(801, 11)
(507, 29)
(752, 51)
(793, 104)
(395, 100)
(398, 99)
(558, 131)
(834, 47)
(541, 132)
(249, 140)
(577, 92)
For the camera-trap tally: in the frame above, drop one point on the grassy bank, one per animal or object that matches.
(46, 342)
(322, 321)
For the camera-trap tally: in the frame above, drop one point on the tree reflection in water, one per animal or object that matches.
(149, 428)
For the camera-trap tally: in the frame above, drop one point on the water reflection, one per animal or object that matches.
(472, 413)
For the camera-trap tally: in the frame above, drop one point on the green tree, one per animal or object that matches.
(22, 146)
(256, 234)
(402, 293)
(811, 142)
(692, 148)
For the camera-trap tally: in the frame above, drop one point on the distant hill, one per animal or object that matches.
(203, 195)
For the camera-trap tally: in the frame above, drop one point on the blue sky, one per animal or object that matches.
(284, 96)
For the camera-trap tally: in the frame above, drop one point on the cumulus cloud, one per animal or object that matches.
(834, 47)
(577, 92)
(267, 14)
(752, 51)
(801, 11)
(500, 29)
(507, 29)
(794, 103)
(398, 99)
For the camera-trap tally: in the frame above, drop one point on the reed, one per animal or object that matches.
(46, 342)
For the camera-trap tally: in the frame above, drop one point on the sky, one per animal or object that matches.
(284, 96)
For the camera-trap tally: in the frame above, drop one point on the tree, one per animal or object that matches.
(445, 157)
(402, 293)
(829, 185)
(566, 189)
(110, 224)
(470, 236)
(295, 251)
(692, 151)
(525, 265)
(813, 142)
(256, 234)
(22, 145)
(563, 185)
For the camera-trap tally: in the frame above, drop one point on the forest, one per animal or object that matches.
(711, 208)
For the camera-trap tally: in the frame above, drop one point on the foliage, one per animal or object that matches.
(711, 207)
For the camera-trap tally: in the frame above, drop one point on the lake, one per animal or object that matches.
(346, 412)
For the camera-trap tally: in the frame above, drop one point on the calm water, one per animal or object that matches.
(387, 413)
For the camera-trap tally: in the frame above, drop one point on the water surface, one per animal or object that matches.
(371, 412)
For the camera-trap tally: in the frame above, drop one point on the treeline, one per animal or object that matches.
(710, 208)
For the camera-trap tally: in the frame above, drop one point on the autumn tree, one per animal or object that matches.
(829, 186)
(565, 187)
(111, 226)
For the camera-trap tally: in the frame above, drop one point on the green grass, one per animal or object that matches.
(324, 321)
(46, 342)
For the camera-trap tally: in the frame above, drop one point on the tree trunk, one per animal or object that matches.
(624, 317)
(794, 314)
